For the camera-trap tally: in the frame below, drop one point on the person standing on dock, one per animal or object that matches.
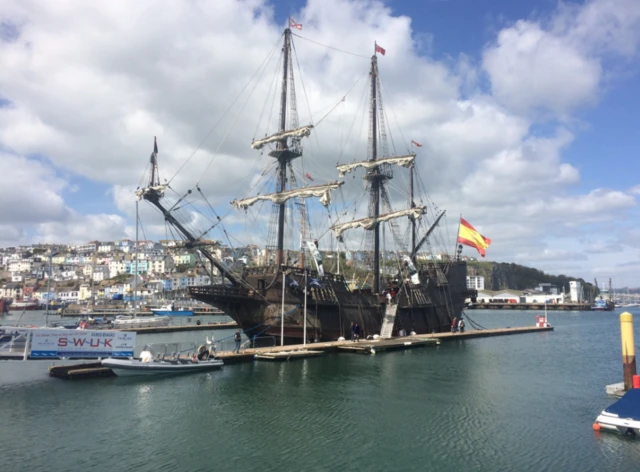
(356, 332)
(353, 331)
(461, 325)
(454, 325)
(237, 338)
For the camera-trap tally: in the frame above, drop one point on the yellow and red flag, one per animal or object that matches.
(468, 236)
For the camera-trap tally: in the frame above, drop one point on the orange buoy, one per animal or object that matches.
(596, 427)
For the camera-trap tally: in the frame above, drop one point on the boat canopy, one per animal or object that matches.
(294, 133)
(372, 222)
(322, 191)
(404, 161)
(628, 406)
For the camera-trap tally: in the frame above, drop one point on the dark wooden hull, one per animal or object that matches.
(331, 307)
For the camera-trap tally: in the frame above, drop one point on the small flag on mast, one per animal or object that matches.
(415, 143)
(308, 177)
(381, 50)
(293, 24)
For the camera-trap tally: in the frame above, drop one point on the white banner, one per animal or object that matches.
(52, 343)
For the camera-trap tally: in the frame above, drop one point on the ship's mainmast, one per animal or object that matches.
(283, 154)
(378, 174)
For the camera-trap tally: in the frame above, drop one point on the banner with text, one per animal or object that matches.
(51, 343)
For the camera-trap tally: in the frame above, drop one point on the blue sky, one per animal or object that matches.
(529, 110)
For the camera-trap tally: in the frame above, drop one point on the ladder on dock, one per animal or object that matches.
(389, 321)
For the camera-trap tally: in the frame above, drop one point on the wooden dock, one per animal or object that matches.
(392, 344)
(174, 329)
(247, 355)
(287, 355)
(299, 351)
(531, 306)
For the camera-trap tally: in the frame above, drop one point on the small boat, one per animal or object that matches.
(170, 310)
(602, 305)
(28, 305)
(166, 361)
(623, 416)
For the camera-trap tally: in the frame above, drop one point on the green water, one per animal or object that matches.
(513, 403)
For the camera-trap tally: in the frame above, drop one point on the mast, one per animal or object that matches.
(282, 146)
(375, 181)
(412, 205)
(153, 193)
(135, 273)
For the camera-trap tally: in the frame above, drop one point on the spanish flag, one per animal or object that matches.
(468, 236)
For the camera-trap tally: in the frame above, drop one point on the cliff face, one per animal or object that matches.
(501, 275)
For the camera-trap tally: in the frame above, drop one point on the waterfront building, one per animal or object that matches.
(475, 282)
(575, 291)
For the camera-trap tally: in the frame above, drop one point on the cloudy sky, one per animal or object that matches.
(528, 113)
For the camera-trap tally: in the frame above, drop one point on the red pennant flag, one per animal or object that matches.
(293, 24)
(380, 50)
(308, 177)
(414, 143)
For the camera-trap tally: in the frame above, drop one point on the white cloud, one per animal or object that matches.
(30, 191)
(82, 228)
(557, 65)
(92, 107)
(531, 68)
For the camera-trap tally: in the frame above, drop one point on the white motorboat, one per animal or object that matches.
(125, 321)
(167, 359)
(623, 416)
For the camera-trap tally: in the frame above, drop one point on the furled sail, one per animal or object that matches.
(372, 222)
(322, 191)
(158, 189)
(317, 258)
(404, 161)
(294, 133)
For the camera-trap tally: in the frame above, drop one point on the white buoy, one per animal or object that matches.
(341, 338)
(373, 351)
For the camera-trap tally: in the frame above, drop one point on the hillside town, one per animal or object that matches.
(103, 270)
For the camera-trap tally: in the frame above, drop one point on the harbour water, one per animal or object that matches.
(523, 402)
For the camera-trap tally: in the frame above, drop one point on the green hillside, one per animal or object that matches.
(502, 275)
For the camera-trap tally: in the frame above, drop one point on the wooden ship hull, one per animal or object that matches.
(331, 306)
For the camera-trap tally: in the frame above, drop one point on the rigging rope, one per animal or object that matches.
(330, 47)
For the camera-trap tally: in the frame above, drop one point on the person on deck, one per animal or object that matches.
(238, 339)
(356, 332)
(389, 297)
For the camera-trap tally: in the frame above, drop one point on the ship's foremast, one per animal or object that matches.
(153, 194)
